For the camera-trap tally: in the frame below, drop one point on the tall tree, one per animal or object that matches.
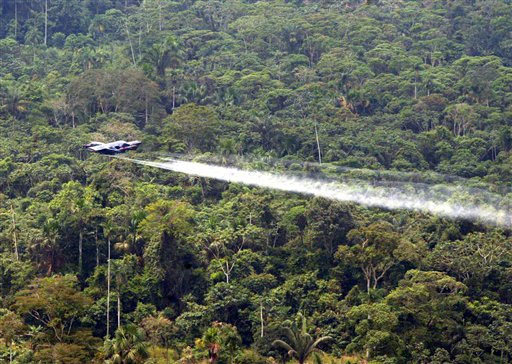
(375, 250)
(163, 54)
(73, 206)
(107, 232)
(55, 303)
(123, 269)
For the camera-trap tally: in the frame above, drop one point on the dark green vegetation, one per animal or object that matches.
(205, 270)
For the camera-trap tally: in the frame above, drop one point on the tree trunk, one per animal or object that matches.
(108, 289)
(146, 111)
(131, 45)
(368, 278)
(14, 238)
(213, 353)
(261, 318)
(15, 19)
(118, 308)
(140, 43)
(97, 250)
(173, 97)
(318, 146)
(46, 22)
(80, 242)
(160, 15)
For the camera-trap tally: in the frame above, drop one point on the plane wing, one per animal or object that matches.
(113, 148)
(99, 147)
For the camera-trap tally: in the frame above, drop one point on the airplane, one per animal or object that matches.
(117, 147)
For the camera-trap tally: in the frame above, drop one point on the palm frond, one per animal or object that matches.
(283, 345)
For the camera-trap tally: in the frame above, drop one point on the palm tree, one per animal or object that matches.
(300, 343)
(127, 346)
(130, 243)
(164, 54)
(14, 100)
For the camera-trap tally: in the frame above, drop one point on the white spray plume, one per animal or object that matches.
(437, 199)
(315, 169)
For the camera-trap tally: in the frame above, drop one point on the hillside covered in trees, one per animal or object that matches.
(106, 261)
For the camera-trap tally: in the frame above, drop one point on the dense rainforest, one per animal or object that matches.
(106, 261)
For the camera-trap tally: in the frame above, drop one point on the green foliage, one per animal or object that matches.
(127, 346)
(376, 250)
(14, 275)
(384, 87)
(221, 342)
(54, 302)
(11, 330)
(195, 126)
(300, 344)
